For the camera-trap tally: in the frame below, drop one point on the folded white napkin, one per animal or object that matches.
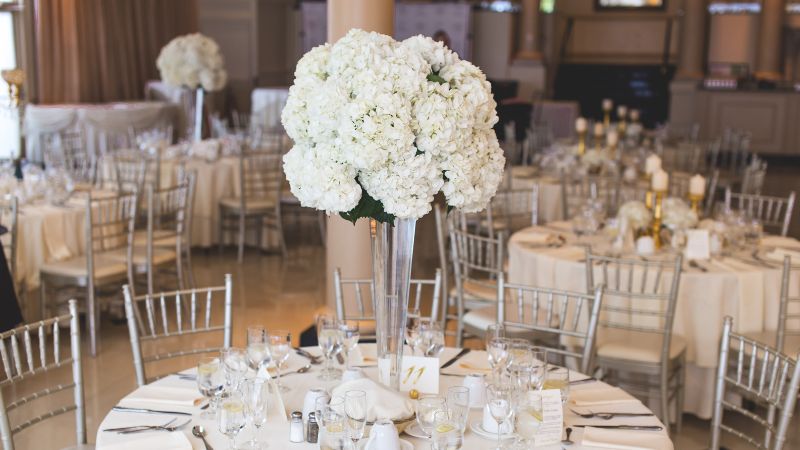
(382, 402)
(154, 441)
(624, 439)
(536, 237)
(472, 362)
(605, 395)
(152, 396)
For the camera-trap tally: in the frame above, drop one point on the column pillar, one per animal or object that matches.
(694, 34)
(768, 61)
(348, 245)
(529, 32)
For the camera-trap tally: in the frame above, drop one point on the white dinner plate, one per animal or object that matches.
(404, 445)
(477, 428)
(415, 431)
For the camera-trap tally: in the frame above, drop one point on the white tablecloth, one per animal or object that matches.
(747, 292)
(267, 104)
(99, 122)
(276, 432)
(524, 177)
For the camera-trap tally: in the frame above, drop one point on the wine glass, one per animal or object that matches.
(256, 396)
(355, 407)
(258, 353)
(350, 335)
(498, 352)
(232, 418)
(412, 329)
(330, 416)
(538, 367)
(210, 382)
(520, 353)
(427, 406)
(446, 434)
(431, 338)
(280, 344)
(458, 405)
(499, 400)
(494, 331)
(558, 378)
(234, 362)
(329, 338)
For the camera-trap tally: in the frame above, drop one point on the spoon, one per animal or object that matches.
(567, 441)
(200, 432)
(303, 369)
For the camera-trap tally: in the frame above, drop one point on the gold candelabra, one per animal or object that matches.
(606, 118)
(621, 127)
(581, 142)
(656, 198)
(15, 79)
(694, 201)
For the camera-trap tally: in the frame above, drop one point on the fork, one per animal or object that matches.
(608, 415)
(157, 428)
(132, 427)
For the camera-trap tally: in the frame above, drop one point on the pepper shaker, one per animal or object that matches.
(312, 429)
(296, 427)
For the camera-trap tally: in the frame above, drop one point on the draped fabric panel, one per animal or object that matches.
(104, 50)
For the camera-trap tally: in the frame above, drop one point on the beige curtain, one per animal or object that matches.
(104, 50)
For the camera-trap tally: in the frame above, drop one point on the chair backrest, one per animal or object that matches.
(513, 209)
(68, 150)
(476, 259)
(34, 352)
(261, 177)
(556, 313)
(754, 176)
(730, 153)
(757, 372)
(364, 300)
(155, 319)
(538, 138)
(685, 158)
(130, 170)
(789, 312)
(575, 192)
(679, 187)
(639, 296)
(9, 213)
(773, 212)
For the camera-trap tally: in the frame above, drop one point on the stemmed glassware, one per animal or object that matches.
(280, 345)
(332, 424)
(355, 407)
(431, 338)
(427, 407)
(500, 402)
(234, 362)
(232, 418)
(350, 335)
(210, 383)
(446, 433)
(256, 396)
(330, 342)
(258, 353)
(498, 350)
(412, 329)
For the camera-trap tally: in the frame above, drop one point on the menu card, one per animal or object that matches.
(416, 372)
(552, 418)
(698, 244)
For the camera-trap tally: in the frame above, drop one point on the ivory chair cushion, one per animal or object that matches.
(485, 291)
(477, 321)
(252, 206)
(161, 238)
(161, 255)
(637, 346)
(105, 266)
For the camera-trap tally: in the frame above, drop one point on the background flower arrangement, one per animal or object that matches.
(192, 60)
(380, 127)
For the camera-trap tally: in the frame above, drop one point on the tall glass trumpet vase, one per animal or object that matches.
(197, 129)
(392, 251)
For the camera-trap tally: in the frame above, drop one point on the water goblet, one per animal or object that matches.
(499, 400)
(232, 418)
(234, 362)
(498, 352)
(280, 344)
(350, 335)
(558, 378)
(427, 406)
(494, 331)
(210, 383)
(412, 329)
(329, 338)
(431, 338)
(355, 408)
(458, 405)
(529, 417)
(258, 353)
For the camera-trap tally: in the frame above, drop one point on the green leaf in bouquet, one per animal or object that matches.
(367, 207)
(433, 76)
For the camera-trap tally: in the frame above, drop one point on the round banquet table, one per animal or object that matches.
(746, 288)
(525, 177)
(275, 432)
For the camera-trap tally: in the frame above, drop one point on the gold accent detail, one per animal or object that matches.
(581, 143)
(694, 202)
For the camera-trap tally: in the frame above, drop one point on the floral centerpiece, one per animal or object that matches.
(636, 213)
(678, 215)
(193, 61)
(379, 128)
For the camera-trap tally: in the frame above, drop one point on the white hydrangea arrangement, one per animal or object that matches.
(192, 60)
(677, 215)
(380, 127)
(636, 213)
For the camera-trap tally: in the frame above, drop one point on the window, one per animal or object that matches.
(8, 53)
(9, 116)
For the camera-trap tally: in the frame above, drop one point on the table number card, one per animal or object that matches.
(552, 418)
(416, 372)
(698, 244)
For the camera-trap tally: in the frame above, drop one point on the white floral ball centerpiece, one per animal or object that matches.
(380, 127)
(678, 215)
(636, 213)
(194, 61)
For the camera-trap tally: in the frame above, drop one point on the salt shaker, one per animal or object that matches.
(296, 427)
(312, 429)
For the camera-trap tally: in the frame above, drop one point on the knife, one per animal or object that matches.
(452, 360)
(148, 411)
(622, 427)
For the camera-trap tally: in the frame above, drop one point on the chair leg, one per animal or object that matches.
(664, 394)
(281, 238)
(242, 230)
(92, 320)
(680, 394)
(179, 269)
(189, 268)
(460, 324)
(220, 229)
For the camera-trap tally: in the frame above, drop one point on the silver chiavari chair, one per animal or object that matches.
(130, 170)
(511, 210)
(686, 158)
(33, 353)
(679, 187)
(445, 264)
(68, 150)
(786, 338)
(110, 224)
(759, 373)
(258, 205)
(477, 264)
(635, 335)
(361, 296)
(575, 192)
(773, 212)
(754, 175)
(156, 322)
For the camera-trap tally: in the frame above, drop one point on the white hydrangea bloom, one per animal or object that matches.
(370, 113)
(193, 61)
